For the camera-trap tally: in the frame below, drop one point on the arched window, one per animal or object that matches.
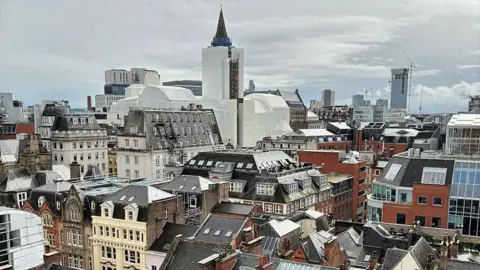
(74, 212)
(47, 219)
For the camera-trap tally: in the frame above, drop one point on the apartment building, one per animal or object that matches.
(272, 179)
(79, 138)
(153, 143)
(342, 163)
(128, 221)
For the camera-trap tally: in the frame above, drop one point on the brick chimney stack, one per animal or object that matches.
(264, 263)
(444, 252)
(455, 244)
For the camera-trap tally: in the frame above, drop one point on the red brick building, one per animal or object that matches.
(342, 163)
(10, 131)
(412, 189)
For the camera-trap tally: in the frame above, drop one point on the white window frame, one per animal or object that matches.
(21, 198)
(265, 189)
(434, 176)
(234, 186)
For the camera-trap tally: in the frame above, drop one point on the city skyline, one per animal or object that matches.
(315, 46)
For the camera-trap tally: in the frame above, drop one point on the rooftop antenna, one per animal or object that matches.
(421, 99)
(412, 66)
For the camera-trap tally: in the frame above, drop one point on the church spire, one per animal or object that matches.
(221, 37)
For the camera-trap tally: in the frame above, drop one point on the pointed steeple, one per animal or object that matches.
(221, 37)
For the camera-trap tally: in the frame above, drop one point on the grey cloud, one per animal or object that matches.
(64, 46)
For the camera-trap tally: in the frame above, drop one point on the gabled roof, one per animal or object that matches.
(220, 230)
(392, 257)
(421, 250)
(314, 245)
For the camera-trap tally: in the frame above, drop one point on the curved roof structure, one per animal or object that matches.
(281, 129)
(272, 101)
(165, 93)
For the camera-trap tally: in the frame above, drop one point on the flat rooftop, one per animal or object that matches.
(337, 178)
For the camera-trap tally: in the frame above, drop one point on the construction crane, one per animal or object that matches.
(421, 99)
(412, 66)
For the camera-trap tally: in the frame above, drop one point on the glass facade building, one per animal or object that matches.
(465, 198)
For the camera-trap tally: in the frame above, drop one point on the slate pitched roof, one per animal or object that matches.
(73, 122)
(393, 257)
(460, 265)
(233, 208)
(188, 253)
(169, 233)
(411, 170)
(217, 229)
(421, 250)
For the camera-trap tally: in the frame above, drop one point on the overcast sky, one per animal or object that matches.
(56, 49)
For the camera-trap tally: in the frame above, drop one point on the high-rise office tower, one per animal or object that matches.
(222, 66)
(251, 85)
(357, 100)
(399, 88)
(328, 97)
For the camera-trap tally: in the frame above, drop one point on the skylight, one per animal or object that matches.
(180, 187)
(200, 162)
(239, 165)
(194, 187)
(131, 199)
(192, 162)
(393, 171)
(209, 163)
(123, 198)
(206, 231)
(229, 233)
(217, 233)
(249, 166)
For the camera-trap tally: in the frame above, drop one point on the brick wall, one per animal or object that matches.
(175, 213)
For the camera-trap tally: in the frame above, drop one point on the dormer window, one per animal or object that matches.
(292, 188)
(90, 120)
(129, 215)
(306, 184)
(107, 209)
(82, 120)
(265, 189)
(131, 212)
(41, 201)
(133, 130)
(75, 121)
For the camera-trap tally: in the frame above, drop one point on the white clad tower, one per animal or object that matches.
(222, 66)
